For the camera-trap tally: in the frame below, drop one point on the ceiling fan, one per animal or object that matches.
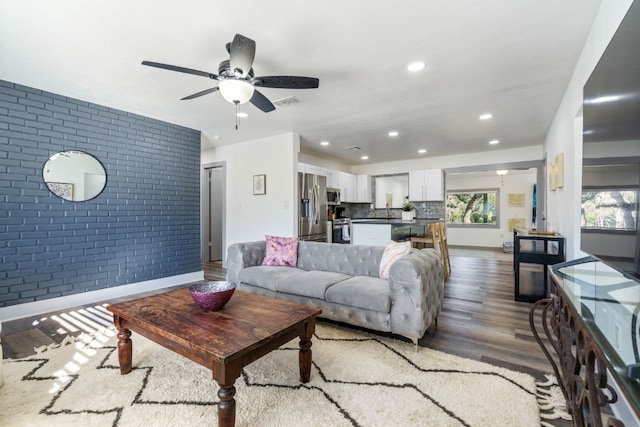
(237, 81)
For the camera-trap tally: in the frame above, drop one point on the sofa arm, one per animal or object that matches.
(416, 284)
(243, 255)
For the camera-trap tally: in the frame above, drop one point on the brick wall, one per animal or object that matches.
(145, 225)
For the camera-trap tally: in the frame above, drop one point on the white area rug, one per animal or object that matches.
(357, 379)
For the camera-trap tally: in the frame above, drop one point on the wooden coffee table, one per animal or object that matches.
(225, 341)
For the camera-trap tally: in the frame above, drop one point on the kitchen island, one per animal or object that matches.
(379, 231)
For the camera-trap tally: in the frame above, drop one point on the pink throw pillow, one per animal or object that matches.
(281, 251)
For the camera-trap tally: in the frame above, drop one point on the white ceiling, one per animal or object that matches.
(511, 58)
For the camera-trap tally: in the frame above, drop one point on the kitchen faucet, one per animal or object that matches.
(388, 211)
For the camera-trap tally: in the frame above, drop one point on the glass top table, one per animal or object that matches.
(609, 304)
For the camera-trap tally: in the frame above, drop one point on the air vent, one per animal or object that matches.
(353, 147)
(286, 102)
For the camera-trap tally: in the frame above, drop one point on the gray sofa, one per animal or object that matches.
(343, 281)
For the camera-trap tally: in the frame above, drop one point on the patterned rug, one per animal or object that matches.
(357, 379)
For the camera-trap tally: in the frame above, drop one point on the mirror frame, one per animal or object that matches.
(64, 182)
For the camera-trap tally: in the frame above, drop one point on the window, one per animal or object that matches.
(610, 209)
(473, 207)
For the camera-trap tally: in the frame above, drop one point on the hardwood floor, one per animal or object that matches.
(480, 319)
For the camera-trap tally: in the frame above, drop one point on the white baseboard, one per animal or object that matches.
(29, 309)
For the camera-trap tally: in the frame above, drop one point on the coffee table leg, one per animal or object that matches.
(305, 351)
(226, 406)
(125, 350)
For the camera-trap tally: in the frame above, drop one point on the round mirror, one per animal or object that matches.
(74, 175)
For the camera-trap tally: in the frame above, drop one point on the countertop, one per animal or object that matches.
(394, 221)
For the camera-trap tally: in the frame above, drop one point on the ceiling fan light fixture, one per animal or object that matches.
(236, 91)
(502, 172)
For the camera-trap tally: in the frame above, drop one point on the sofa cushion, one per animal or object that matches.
(370, 293)
(281, 251)
(310, 283)
(267, 276)
(354, 260)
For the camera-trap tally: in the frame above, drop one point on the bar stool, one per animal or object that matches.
(434, 240)
(445, 245)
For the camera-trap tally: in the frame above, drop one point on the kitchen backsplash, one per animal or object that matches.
(424, 210)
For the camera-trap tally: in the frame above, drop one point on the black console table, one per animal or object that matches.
(535, 247)
(590, 320)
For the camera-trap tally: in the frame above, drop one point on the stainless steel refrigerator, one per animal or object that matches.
(312, 221)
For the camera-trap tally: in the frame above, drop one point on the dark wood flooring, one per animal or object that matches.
(480, 319)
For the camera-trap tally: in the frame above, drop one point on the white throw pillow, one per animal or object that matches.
(392, 252)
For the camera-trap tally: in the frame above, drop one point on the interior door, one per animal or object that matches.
(216, 203)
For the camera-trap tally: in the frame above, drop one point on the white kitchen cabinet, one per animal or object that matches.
(312, 169)
(332, 178)
(370, 234)
(347, 185)
(363, 189)
(426, 185)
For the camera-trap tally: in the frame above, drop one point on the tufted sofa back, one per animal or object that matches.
(354, 260)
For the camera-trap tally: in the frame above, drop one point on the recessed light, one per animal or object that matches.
(415, 66)
(324, 143)
(422, 151)
(393, 133)
(243, 115)
(494, 142)
(486, 116)
(365, 157)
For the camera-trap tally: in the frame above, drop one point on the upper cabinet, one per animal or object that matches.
(426, 185)
(363, 189)
(347, 185)
(312, 169)
(353, 188)
(332, 178)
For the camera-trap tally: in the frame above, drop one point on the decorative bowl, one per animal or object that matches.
(211, 296)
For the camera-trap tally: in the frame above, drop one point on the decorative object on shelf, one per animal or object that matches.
(259, 184)
(211, 296)
(407, 211)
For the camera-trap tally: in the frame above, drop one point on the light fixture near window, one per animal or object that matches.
(502, 173)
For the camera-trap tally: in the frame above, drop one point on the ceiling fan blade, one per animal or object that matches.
(261, 101)
(180, 69)
(204, 92)
(287, 82)
(241, 54)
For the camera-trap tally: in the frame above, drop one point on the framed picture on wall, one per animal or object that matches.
(259, 184)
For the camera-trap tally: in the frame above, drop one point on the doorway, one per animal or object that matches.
(213, 212)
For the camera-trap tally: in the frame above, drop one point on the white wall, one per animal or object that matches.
(249, 217)
(565, 134)
(520, 182)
